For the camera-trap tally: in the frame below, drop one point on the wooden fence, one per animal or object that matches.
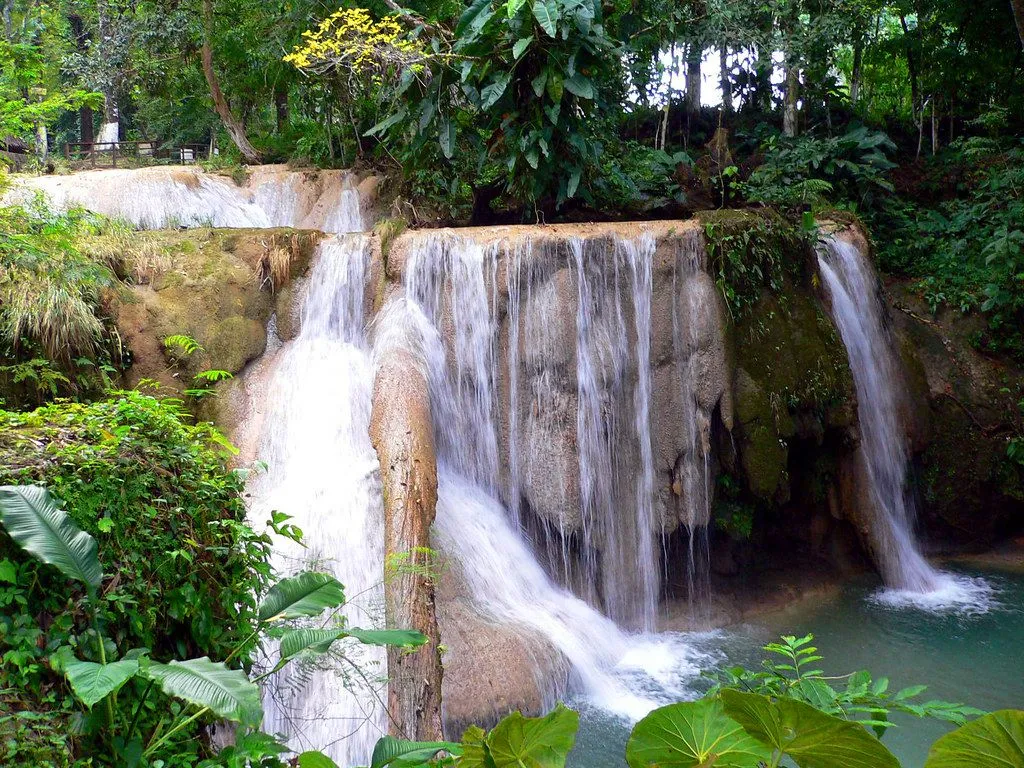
(131, 154)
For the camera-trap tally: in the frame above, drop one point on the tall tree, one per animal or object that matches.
(234, 126)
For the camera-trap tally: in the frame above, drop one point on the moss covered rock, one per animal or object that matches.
(218, 287)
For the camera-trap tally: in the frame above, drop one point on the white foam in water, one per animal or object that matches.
(953, 593)
(626, 675)
(857, 310)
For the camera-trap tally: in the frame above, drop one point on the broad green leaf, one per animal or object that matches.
(446, 137)
(92, 682)
(227, 693)
(692, 734)
(474, 749)
(995, 740)
(387, 122)
(316, 760)
(513, 7)
(490, 95)
(402, 638)
(555, 86)
(398, 753)
(521, 45)
(470, 17)
(580, 85)
(533, 742)
(546, 14)
(319, 640)
(574, 182)
(812, 739)
(8, 572)
(306, 594)
(34, 520)
(308, 638)
(539, 83)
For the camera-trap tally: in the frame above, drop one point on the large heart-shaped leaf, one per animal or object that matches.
(475, 16)
(811, 738)
(401, 638)
(398, 753)
(93, 682)
(34, 519)
(306, 594)
(692, 734)
(227, 693)
(533, 742)
(995, 740)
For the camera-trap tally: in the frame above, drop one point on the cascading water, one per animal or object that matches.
(606, 370)
(170, 197)
(322, 470)
(449, 305)
(858, 313)
(694, 470)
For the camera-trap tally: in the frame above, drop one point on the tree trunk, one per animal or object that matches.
(86, 135)
(858, 66)
(281, 106)
(1018, 16)
(42, 142)
(693, 57)
(5, 11)
(789, 114)
(912, 69)
(725, 81)
(401, 433)
(231, 123)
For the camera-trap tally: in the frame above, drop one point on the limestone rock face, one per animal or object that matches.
(971, 493)
(216, 286)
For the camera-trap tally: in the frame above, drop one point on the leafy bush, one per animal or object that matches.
(168, 515)
(196, 687)
(749, 251)
(805, 170)
(967, 250)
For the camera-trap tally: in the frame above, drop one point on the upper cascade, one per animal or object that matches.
(171, 197)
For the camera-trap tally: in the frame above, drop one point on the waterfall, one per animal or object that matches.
(451, 306)
(323, 471)
(858, 312)
(624, 674)
(171, 197)
(606, 369)
(694, 471)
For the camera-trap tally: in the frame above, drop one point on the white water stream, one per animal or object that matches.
(323, 471)
(858, 313)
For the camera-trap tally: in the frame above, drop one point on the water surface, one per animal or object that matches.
(975, 658)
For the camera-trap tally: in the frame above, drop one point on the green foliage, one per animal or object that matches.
(811, 738)
(809, 171)
(38, 525)
(167, 513)
(690, 735)
(207, 687)
(307, 594)
(750, 251)
(790, 673)
(968, 249)
(995, 740)
(54, 338)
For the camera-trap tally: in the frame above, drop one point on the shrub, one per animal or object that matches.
(169, 518)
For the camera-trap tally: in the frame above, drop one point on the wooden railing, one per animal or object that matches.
(129, 154)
